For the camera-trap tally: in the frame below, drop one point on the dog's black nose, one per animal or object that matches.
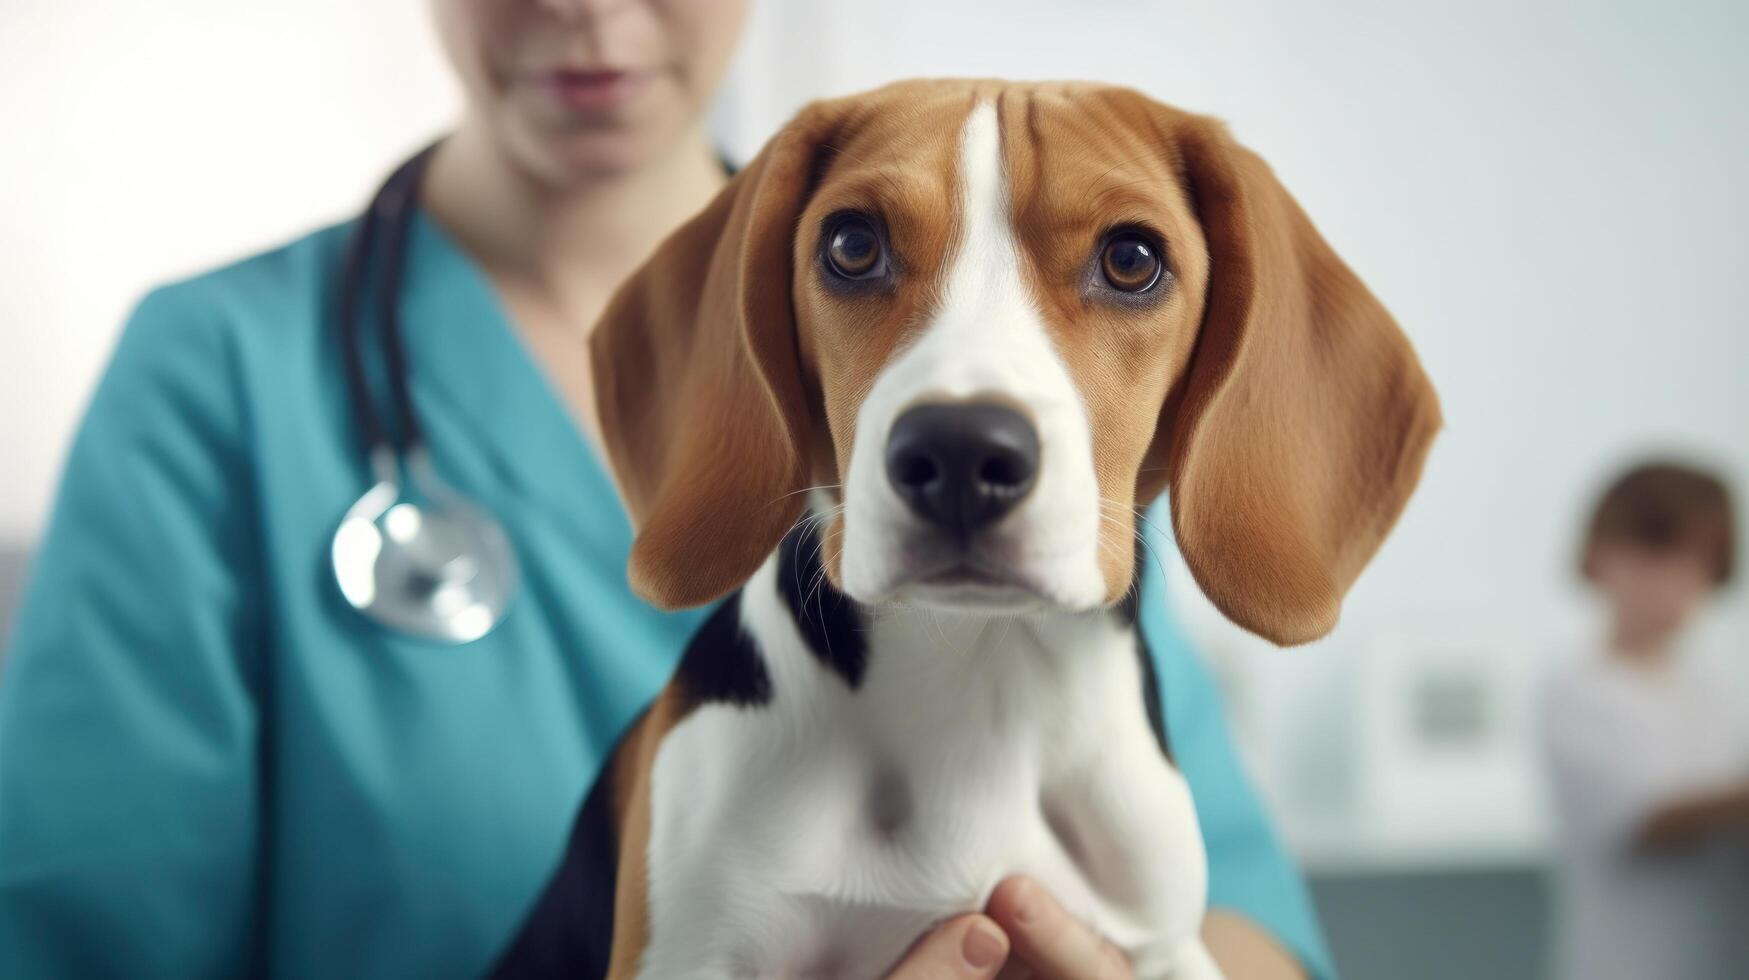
(962, 466)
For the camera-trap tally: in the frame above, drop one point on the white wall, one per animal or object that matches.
(1550, 197)
(140, 142)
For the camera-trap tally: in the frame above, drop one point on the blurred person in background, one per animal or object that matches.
(1649, 753)
(211, 766)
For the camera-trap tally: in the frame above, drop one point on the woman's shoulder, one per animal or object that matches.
(287, 282)
(195, 352)
(247, 314)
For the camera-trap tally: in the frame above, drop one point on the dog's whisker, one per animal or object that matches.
(1137, 513)
(815, 596)
(803, 522)
(1154, 556)
(823, 486)
(808, 524)
(820, 576)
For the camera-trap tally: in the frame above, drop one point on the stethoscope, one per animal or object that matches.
(412, 554)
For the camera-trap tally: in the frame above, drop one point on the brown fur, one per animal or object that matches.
(1305, 418)
(630, 769)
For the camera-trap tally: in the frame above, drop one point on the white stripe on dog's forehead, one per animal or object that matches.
(986, 270)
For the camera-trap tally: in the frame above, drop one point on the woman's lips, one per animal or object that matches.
(592, 91)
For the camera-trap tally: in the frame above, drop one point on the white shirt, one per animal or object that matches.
(1622, 740)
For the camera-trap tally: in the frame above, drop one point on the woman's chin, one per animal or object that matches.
(566, 155)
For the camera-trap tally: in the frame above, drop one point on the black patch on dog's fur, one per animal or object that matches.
(828, 619)
(1151, 694)
(1129, 612)
(722, 664)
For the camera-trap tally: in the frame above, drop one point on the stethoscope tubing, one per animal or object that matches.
(390, 215)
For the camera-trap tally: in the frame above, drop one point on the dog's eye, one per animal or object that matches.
(854, 249)
(1130, 262)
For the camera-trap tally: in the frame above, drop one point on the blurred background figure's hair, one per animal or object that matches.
(1663, 507)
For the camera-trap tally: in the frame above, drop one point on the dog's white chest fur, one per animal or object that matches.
(820, 834)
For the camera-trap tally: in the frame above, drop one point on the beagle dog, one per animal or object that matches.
(900, 393)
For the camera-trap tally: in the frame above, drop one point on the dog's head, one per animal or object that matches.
(990, 321)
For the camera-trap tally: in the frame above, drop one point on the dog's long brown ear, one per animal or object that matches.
(699, 385)
(1302, 423)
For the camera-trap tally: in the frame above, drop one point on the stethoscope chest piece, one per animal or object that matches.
(412, 554)
(425, 563)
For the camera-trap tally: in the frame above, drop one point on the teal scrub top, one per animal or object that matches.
(211, 766)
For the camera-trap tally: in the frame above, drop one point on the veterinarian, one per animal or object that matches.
(218, 758)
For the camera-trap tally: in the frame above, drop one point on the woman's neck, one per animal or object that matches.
(1642, 646)
(571, 244)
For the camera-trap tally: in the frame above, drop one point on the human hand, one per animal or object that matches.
(1024, 935)
(970, 947)
(1048, 943)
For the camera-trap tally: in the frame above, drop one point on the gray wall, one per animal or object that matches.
(12, 566)
(1444, 925)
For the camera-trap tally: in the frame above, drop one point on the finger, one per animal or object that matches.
(1049, 940)
(970, 947)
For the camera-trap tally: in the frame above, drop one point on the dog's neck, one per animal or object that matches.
(935, 670)
(789, 631)
(915, 668)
